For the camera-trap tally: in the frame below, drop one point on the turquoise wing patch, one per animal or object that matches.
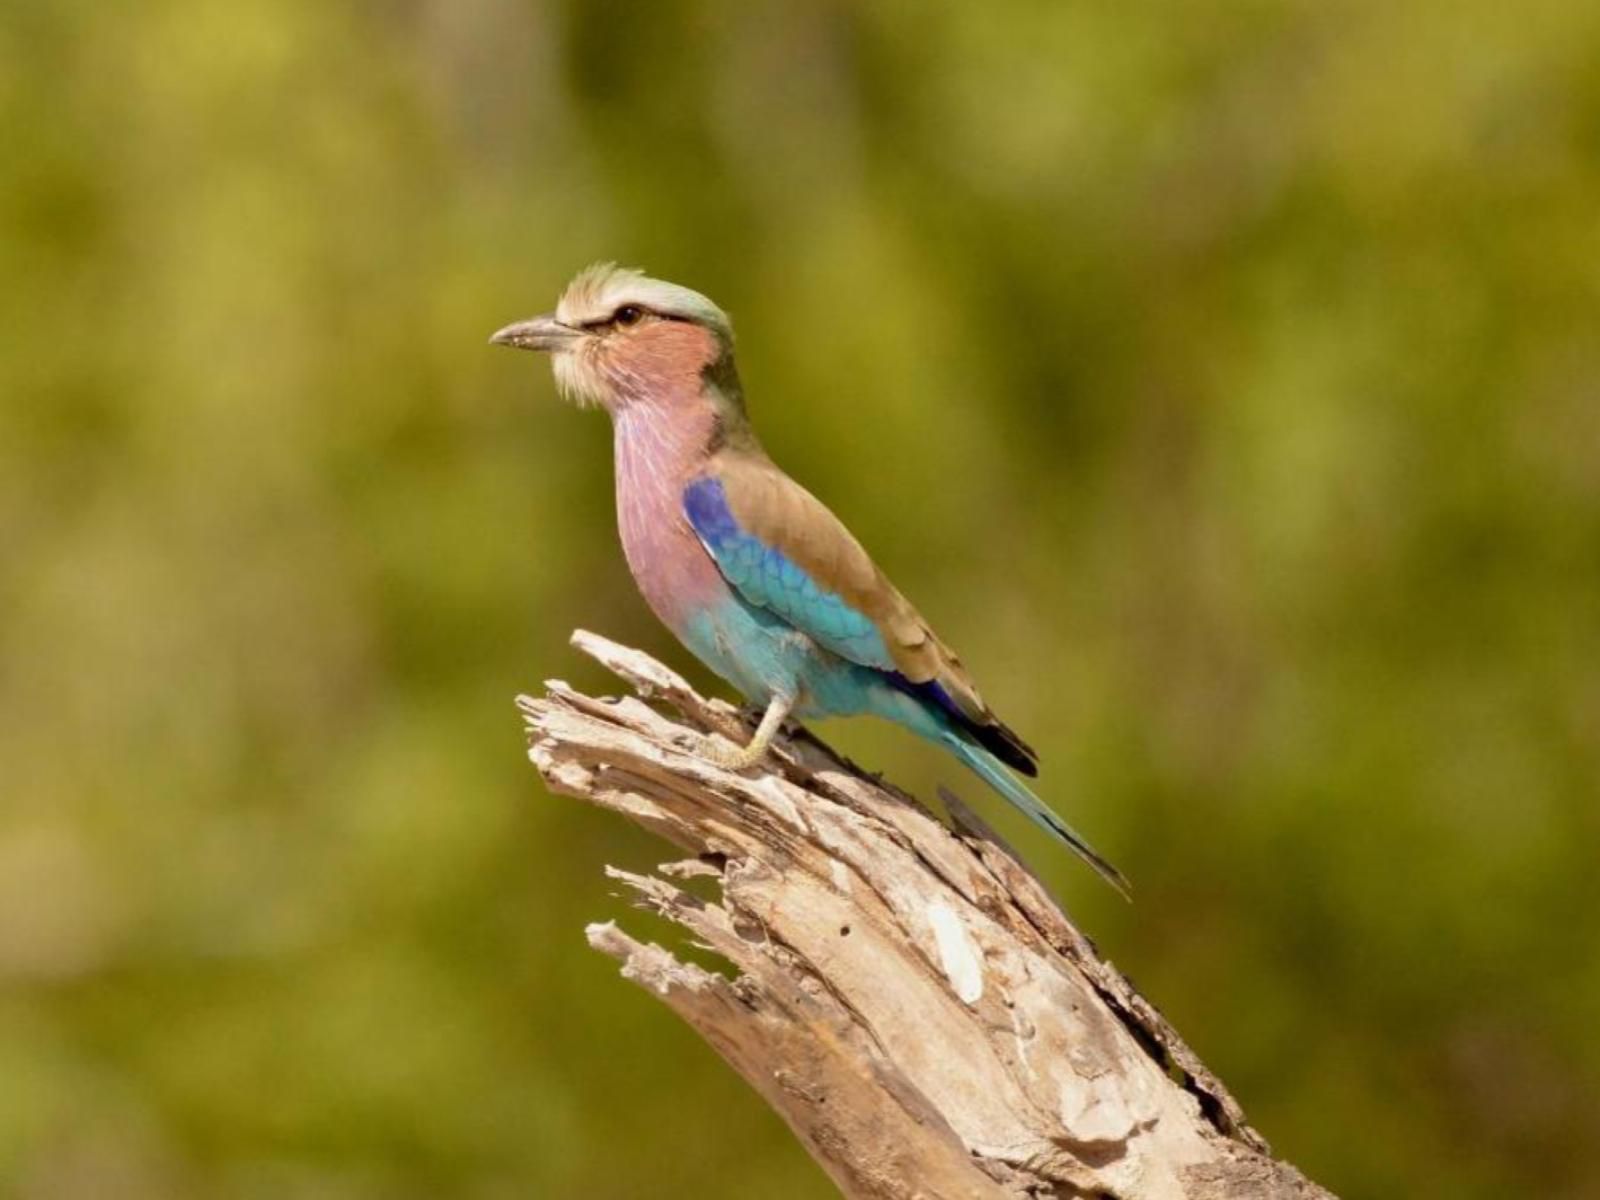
(768, 578)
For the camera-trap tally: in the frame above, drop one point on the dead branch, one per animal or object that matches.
(911, 1000)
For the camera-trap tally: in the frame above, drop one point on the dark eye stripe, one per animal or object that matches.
(641, 310)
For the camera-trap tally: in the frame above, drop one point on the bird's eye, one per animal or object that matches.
(628, 314)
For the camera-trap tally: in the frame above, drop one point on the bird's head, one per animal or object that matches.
(618, 336)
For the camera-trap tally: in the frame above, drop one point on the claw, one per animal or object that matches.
(730, 758)
(742, 758)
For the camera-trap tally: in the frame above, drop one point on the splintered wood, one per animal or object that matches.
(910, 1000)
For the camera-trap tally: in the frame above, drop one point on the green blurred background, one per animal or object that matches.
(1222, 378)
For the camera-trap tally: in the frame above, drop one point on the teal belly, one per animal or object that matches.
(764, 656)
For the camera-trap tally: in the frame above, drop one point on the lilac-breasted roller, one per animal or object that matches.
(752, 572)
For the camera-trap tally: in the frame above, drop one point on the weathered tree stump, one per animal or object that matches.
(910, 999)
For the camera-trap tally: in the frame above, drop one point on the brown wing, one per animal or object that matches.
(781, 513)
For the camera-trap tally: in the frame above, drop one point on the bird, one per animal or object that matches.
(751, 572)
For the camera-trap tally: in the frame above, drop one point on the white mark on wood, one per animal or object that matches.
(778, 801)
(957, 953)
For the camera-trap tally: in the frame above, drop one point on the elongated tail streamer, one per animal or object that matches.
(1014, 790)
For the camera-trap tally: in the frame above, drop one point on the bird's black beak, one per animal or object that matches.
(541, 333)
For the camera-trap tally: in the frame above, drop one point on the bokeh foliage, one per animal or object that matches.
(1223, 378)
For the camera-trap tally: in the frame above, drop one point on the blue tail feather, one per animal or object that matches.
(871, 692)
(1014, 790)
(992, 735)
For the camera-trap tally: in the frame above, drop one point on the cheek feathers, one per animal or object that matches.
(664, 354)
(661, 359)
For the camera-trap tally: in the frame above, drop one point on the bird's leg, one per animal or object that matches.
(755, 750)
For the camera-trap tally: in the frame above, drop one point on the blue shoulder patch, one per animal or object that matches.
(706, 505)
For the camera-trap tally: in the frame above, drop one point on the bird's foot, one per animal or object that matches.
(730, 758)
(742, 758)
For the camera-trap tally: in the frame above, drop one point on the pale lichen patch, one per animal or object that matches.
(958, 955)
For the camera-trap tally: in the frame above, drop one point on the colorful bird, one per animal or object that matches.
(752, 572)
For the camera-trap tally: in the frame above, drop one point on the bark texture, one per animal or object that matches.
(909, 999)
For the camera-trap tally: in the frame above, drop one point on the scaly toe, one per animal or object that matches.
(729, 758)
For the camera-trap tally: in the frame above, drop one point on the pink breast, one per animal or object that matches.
(658, 451)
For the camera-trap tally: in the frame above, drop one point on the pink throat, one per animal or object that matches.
(660, 446)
